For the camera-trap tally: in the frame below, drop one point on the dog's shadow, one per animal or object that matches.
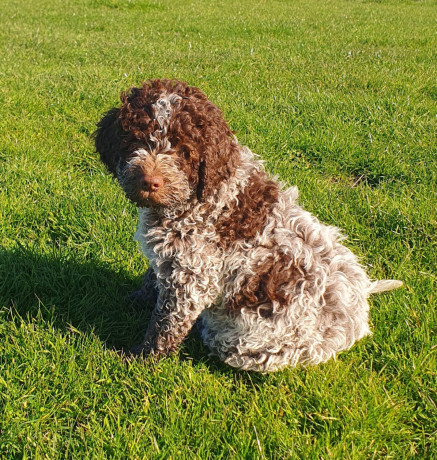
(89, 295)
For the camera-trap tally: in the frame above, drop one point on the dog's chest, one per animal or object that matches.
(186, 241)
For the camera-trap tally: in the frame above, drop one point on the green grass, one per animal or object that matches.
(339, 97)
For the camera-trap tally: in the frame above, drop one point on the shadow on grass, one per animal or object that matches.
(88, 295)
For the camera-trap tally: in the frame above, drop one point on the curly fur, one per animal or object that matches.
(269, 285)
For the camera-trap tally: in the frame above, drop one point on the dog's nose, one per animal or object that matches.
(152, 183)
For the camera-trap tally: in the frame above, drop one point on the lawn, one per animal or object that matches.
(339, 98)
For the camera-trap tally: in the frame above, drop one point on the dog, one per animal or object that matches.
(229, 248)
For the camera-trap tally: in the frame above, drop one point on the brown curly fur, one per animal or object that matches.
(248, 215)
(196, 131)
(274, 279)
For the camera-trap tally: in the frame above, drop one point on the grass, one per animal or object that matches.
(338, 97)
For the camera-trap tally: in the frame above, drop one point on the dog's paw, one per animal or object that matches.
(137, 351)
(133, 353)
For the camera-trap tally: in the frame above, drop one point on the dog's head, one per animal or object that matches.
(166, 144)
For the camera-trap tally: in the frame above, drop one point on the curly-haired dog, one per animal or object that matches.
(269, 285)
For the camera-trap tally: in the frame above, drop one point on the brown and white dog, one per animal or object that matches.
(229, 248)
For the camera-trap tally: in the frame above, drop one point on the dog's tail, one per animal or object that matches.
(384, 285)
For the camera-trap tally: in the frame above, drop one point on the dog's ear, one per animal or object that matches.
(108, 139)
(217, 150)
(219, 161)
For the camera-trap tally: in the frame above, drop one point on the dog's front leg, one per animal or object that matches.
(174, 315)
